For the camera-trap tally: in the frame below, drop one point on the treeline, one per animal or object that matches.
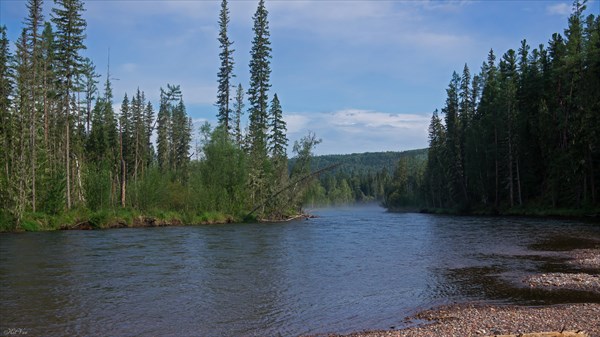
(522, 133)
(64, 149)
(359, 178)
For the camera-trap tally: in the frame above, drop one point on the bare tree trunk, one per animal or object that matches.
(46, 106)
(510, 170)
(592, 172)
(496, 167)
(68, 149)
(519, 183)
(80, 184)
(123, 167)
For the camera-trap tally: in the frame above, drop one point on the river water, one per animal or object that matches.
(348, 270)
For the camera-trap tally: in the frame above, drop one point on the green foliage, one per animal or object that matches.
(530, 140)
(98, 184)
(361, 177)
(63, 147)
(260, 72)
(225, 73)
(52, 197)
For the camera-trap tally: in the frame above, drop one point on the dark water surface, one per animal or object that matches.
(350, 269)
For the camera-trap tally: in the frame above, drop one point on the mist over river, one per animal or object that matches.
(349, 269)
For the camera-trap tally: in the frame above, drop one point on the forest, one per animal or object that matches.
(359, 177)
(69, 159)
(521, 136)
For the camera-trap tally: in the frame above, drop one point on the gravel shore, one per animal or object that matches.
(487, 320)
(579, 281)
(585, 258)
(581, 319)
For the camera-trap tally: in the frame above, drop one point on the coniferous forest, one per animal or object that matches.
(68, 159)
(521, 135)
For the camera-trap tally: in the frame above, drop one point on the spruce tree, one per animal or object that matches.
(6, 88)
(277, 137)
(70, 27)
(260, 72)
(225, 74)
(33, 24)
(238, 107)
(149, 125)
(163, 129)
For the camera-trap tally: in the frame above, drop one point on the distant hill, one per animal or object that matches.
(368, 162)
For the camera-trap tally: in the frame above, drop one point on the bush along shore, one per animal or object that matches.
(83, 219)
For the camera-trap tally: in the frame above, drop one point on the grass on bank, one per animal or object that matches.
(81, 218)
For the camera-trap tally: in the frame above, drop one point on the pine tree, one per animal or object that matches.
(277, 138)
(33, 24)
(453, 143)
(70, 27)
(90, 89)
(125, 133)
(149, 125)
(19, 187)
(225, 74)
(181, 138)
(238, 107)
(163, 128)
(48, 84)
(260, 72)
(167, 130)
(6, 88)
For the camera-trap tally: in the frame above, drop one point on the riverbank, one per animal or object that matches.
(582, 274)
(585, 214)
(489, 320)
(82, 219)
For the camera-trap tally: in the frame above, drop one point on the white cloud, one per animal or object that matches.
(296, 122)
(559, 9)
(356, 130)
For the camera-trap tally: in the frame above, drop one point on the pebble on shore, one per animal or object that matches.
(586, 258)
(487, 320)
(579, 281)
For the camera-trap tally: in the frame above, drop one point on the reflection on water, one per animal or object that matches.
(350, 269)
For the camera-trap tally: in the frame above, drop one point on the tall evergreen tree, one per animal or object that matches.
(260, 72)
(238, 107)
(277, 137)
(225, 74)
(149, 125)
(453, 143)
(33, 24)
(6, 88)
(70, 28)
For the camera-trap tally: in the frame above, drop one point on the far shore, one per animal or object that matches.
(591, 215)
(114, 219)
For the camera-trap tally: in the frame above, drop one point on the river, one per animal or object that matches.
(348, 270)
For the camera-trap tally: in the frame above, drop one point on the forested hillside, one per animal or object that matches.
(68, 158)
(360, 177)
(521, 133)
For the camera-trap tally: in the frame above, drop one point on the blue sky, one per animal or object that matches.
(363, 75)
